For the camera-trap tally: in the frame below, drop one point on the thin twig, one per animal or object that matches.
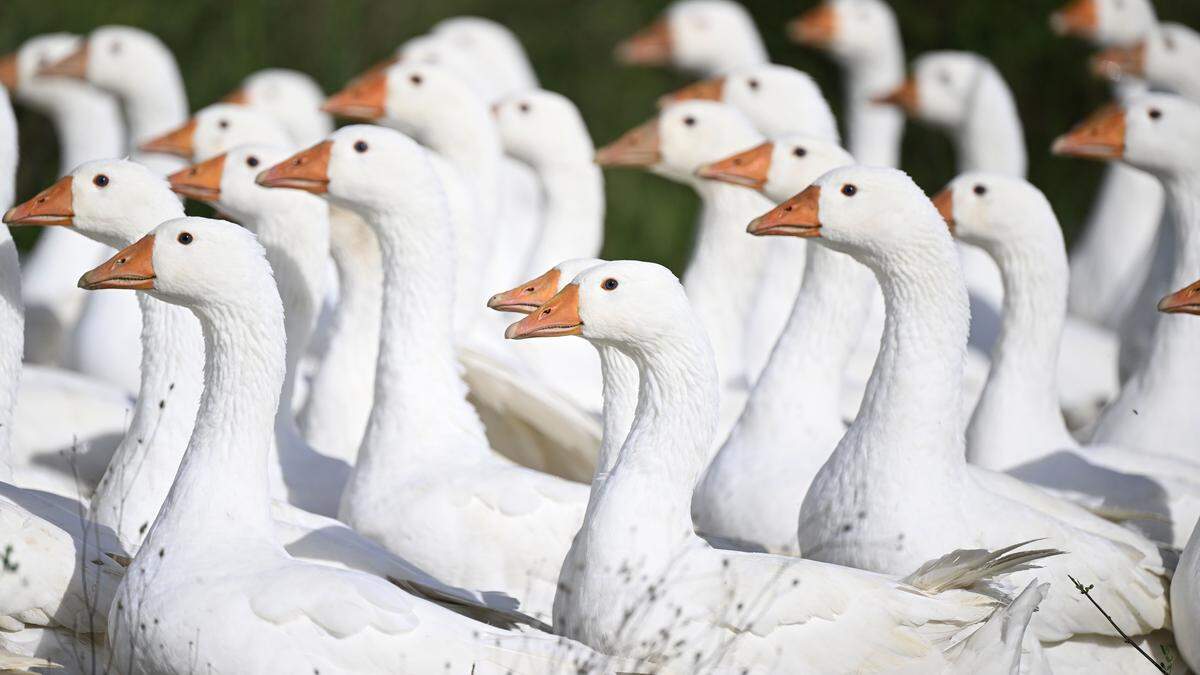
(1085, 590)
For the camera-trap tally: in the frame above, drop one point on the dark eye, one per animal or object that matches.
(980, 190)
(849, 189)
(252, 161)
(944, 77)
(524, 107)
(608, 284)
(799, 152)
(1155, 113)
(100, 180)
(224, 124)
(115, 48)
(415, 79)
(360, 146)
(184, 238)
(690, 121)
(753, 84)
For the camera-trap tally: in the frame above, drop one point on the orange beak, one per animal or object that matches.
(306, 170)
(180, 142)
(132, 267)
(1118, 62)
(202, 181)
(1079, 18)
(944, 201)
(1183, 301)
(704, 90)
(748, 168)
(559, 316)
(907, 96)
(52, 206)
(797, 217)
(362, 99)
(816, 28)
(527, 297)
(1101, 136)
(237, 97)
(8, 71)
(638, 147)
(74, 65)
(650, 46)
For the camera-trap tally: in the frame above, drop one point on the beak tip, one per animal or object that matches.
(1060, 145)
(493, 301)
(511, 333)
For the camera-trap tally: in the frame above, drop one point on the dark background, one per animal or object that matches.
(570, 44)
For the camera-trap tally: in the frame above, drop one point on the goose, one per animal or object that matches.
(258, 608)
(291, 97)
(1116, 249)
(425, 453)
(1162, 58)
(901, 465)
(675, 144)
(706, 37)
(1017, 426)
(964, 94)
(864, 38)
(1158, 134)
(88, 125)
(494, 48)
(217, 128)
(638, 582)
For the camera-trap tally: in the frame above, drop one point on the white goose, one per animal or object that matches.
(706, 37)
(897, 489)
(258, 608)
(425, 454)
(1159, 134)
(291, 97)
(493, 48)
(1017, 426)
(218, 128)
(1162, 58)
(639, 583)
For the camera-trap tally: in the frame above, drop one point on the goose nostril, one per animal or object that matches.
(788, 207)
(545, 311)
(529, 290)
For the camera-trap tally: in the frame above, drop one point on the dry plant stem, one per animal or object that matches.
(1085, 590)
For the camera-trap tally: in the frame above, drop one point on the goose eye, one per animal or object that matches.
(184, 238)
(753, 84)
(799, 152)
(944, 77)
(1155, 113)
(849, 189)
(114, 48)
(609, 284)
(100, 180)
(224, 124)
(360, 146)
(252, 161)
(524, 107)
(980, 190)
(690, 121)
(415, 79)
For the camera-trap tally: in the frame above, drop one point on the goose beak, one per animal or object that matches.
(362, 99)
(559, 316)
(1183, 301)
(306, 170)
(638, 147)
(1117, 62)
(748, 168)
(52, 206)
(237, 97)
(1079, 19)
(73, 66)
(650, 46)
(704, 90)
(797, 217)
(1101, 136)
(132, 267)
(179, 142)
(527, 297)
(9, 76)
(816, 28)
(201, 182)
(944, 201)
(907, 97)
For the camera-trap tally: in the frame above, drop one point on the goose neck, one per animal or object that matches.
(12, 331)
(89, 126)
(620, 388)
(155, 101)
(1172, 351)
(573, 215)
(991, 138)
(471, 143)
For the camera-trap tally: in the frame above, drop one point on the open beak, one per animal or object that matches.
(1100, 136)
(202, 181)
(907, 96)
(74, 65)
(52, 206)
(1183, 301)
(362, 99)
(237, 97)
(179, 142)
(638, 147)
(748, 168)
(132, 267)
(8, 71)
(797, 217)
(1079, 19)
(650, 46)
(1117, 62)
(306, 170)
(559, 316)
(527, 297)
(816, 27)
(944, 201)
(704, 90)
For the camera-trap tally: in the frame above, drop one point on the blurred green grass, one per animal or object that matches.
(570, 44)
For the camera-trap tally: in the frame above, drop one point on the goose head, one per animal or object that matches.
(20, 71)
(116, 58)
(1184, 301)
(228, 181)
(112, 201)
(851, 30)
(994, 211)
(527, 297)
(290, 97)
(941, 87)
(681, 139)
(702, 36)
(779, 168)
(542, 128)
(437, 50)
(779, 100)
(496, 52)
(215, 129)
(1158, 133)
(1166, 58)
(1105, 22)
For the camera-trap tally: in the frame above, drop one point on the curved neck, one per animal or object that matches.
(89, 126)
(874, 130)
(1172, 354)
(469, 141)
(573, 215)
(620, 389)
(991, 138)
(12, 332)
(155, 101)
(355, 251)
